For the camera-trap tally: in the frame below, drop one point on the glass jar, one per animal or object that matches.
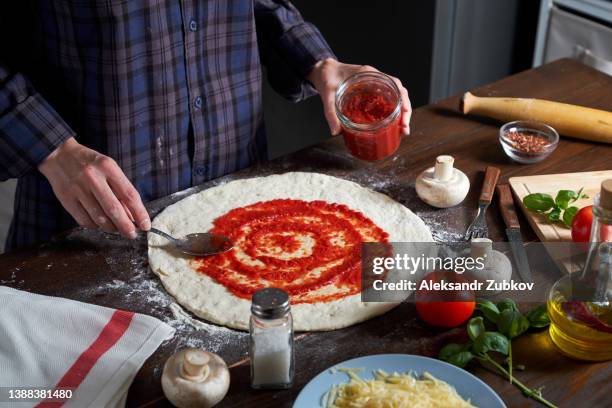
(271, 340)
(368, 105)
(580, 304)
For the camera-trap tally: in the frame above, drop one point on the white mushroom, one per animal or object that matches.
(443, 185)
(497, 266)
(195, 378)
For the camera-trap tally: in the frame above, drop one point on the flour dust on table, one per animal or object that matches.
(300, 232)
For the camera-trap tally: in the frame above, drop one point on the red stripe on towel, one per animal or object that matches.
(109, 336)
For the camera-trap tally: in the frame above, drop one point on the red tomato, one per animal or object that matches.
(581, 225)
(444, 308)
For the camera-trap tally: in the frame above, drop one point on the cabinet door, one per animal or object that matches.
(570, 35)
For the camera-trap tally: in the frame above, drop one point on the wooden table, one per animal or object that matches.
(111, 272)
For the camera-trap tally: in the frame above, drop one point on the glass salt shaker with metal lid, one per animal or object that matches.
(271, 340)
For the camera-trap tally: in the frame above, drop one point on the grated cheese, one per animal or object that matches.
(393, 391)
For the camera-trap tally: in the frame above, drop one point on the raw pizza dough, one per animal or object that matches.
(210, 300)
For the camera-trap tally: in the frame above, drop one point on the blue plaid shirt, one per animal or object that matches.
(171, 89)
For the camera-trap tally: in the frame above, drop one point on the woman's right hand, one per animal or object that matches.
(94, 189)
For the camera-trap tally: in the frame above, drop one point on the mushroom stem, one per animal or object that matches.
(443, 170)
(481, 247)
(195, 366)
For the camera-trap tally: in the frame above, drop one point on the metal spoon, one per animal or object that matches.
(198, 244)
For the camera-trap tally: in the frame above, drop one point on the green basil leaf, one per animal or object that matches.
(475, 327)
(538, 316)
(506, 304)
(451, 349)
(554, 215)
(461, 359)
(538, 202)
(568, 216)
(512, 323)
(488, 309)
(564, 197)
(491, 341)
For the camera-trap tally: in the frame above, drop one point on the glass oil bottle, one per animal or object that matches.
(580, 304)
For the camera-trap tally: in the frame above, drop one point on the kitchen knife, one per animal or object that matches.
(513, 231)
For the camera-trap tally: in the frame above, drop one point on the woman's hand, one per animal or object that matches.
(94, 190)
(328, 74)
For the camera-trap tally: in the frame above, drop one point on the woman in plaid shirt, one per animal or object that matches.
(105, 104)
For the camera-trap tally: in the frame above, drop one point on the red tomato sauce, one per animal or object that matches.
(365, 107)
(294, 245)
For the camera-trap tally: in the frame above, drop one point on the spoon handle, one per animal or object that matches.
(163, 234)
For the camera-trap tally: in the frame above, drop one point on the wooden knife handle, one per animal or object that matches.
(506, 205)
(488, 185)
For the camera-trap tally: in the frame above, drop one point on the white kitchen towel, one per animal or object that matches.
(49, 342)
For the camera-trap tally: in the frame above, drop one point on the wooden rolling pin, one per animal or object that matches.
(569, 120)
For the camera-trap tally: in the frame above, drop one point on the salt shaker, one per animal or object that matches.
(271, 340)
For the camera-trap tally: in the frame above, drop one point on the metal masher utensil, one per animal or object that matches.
(478, 227)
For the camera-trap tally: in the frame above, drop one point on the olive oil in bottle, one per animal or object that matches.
(581, 330)
(580, 304)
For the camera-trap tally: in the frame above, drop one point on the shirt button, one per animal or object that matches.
(197, 102)
(193, 25)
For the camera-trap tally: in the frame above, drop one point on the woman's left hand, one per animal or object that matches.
(328, 74)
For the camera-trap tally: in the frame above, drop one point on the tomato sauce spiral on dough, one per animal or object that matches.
(310, 249)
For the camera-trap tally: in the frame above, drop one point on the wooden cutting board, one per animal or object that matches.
(551, 183)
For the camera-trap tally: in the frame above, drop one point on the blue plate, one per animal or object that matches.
(467, 385)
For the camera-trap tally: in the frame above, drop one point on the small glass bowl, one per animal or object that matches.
(528, 155)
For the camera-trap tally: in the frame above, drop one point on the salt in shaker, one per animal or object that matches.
(271, 340)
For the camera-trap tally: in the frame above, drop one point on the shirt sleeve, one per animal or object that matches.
(289, 46)
(30, 129)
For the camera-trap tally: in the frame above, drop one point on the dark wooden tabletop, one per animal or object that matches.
(91, 267)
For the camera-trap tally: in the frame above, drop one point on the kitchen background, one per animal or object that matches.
(436, 48)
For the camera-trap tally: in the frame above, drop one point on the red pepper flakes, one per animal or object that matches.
(527, 142)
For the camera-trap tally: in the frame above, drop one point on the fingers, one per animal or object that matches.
(367, 68)
(114, 210)
(129, 197)
(406, 107)
(329, 110)
(406, 112)
(76, 210)
(94, 190)
(95, 211)
(106, 198)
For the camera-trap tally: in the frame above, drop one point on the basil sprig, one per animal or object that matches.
(510, 323)
(557, 209)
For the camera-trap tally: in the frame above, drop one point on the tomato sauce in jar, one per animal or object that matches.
(368, 105)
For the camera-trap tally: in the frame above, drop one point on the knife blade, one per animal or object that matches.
(513, 232)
